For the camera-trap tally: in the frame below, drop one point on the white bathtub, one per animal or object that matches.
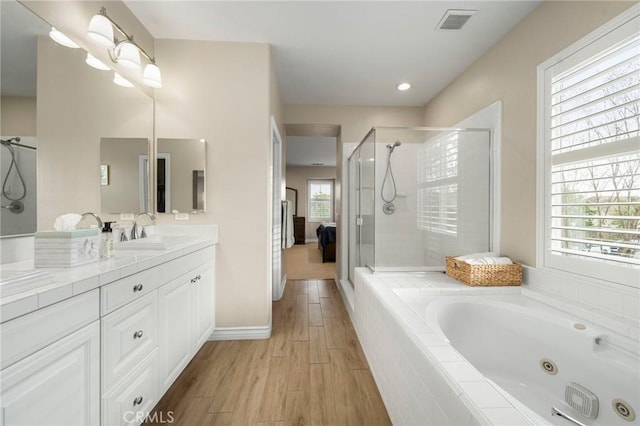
(446, 354)
(509, 339)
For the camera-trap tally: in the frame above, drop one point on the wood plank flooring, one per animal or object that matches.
(312, 371)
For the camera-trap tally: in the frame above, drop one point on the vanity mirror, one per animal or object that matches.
(180, 181)
(19, 30)
(77, 107)
(124, 164)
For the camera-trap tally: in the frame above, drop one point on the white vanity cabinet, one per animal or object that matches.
(107, 355)
(56, 380)
(155, 322)
(187, 316)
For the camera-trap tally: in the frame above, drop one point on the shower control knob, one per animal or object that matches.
(388, 208)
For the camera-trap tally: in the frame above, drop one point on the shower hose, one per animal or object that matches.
(13, 164)
(388, 175)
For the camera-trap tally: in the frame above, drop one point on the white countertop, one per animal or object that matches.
(68, 282)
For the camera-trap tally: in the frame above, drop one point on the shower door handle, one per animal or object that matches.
(359, 221)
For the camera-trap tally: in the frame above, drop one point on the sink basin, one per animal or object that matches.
(155, 242)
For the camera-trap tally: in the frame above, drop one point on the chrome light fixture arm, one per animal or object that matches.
(128, 39)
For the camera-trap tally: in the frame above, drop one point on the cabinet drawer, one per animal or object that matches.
(180, 266)
(128, 289)
(129, 402)
(27, 334)
(128, 335)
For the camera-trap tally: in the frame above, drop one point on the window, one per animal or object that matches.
(589, 147)
(438, 186)
(320, 195)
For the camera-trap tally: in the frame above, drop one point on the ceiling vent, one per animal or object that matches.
(454, 19)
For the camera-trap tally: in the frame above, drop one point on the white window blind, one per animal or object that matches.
(320, 197)
(592, 158)
(437, 185)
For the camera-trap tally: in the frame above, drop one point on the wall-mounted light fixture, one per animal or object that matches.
(62, 39)
(125, 52)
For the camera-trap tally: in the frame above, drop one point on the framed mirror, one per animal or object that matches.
(180, 175)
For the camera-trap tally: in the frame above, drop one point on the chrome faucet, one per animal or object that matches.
(95, 216)
(134, 228)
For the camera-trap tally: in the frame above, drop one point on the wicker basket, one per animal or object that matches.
(484, 275)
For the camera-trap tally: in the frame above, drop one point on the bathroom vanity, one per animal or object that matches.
(103, 342)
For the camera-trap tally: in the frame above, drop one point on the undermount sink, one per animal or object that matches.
(155, 242)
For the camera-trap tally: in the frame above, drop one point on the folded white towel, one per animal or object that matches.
(489, 261)
(478, 255)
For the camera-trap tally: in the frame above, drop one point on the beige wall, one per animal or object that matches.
(221, 92)
(122, 194)
(18, 116)
(507, 72)
(186, 156)
(297, 177)
(77, 106)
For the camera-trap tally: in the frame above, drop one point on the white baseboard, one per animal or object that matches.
(283, 284)
(310, 240)
(241, 333)
(348, 296)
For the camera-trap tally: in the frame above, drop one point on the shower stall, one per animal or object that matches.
(417, 195)
(18, 179)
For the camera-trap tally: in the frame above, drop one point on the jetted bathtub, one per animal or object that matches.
(553, 368)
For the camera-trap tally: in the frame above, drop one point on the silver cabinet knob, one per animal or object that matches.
(137, 287)
(137, 401)
(137, 334)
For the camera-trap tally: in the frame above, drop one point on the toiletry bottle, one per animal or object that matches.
(106, 240)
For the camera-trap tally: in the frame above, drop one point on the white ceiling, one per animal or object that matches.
(307, 150)
(344, 52)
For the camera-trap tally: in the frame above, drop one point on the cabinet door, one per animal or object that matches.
(58, 385)
(174, 332)
(202, 306)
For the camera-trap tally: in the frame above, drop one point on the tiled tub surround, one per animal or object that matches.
(424, 380)
(68, 282)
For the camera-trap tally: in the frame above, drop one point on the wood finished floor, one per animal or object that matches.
(312, 371)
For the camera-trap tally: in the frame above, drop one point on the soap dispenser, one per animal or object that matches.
(106, 240)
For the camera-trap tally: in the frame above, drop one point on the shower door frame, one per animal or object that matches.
(494, 151)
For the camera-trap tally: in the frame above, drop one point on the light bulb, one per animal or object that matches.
(62, 39)
(128, 55)
(100, 31)
(121, 81)
(151, 76)
(96, 63)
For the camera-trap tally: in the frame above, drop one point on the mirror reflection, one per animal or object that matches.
(19, 30)
(180, 180)
(123, 174)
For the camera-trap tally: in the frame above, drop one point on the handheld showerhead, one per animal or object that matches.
(392, 147)
(10, 140)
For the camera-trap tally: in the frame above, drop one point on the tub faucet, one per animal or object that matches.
(134, 228)
(95, 216)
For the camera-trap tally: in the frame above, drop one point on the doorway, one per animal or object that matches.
(311, 159)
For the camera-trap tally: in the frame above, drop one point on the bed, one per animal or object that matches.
(326, 233)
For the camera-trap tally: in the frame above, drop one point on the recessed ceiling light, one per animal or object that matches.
(403, 86)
